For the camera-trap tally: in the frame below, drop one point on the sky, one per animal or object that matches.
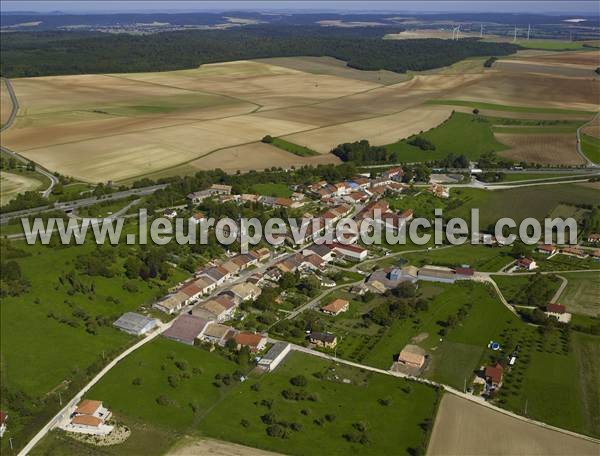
(425, 6)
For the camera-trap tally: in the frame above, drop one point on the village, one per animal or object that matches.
(209, 309)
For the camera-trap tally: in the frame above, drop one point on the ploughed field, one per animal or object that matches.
(123, 126)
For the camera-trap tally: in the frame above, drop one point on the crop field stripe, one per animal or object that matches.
(498, 107)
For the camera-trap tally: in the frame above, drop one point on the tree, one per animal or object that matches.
(268, 139)
(476, 111)
(299, 380)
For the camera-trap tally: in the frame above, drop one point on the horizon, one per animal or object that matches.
(586, 8)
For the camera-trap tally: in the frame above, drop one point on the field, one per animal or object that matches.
(581, 294)
(482, 258)
(165, 123)
(5, 103)
(545, 149)
(279, 190)
(462, 427)
(12, 184)
(215, 447)
(390, 429)
(520, 203)
(590, 146)
(293, 148)
(460, 134)
(527, 66)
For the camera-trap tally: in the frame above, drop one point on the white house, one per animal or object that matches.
(136, 324)
(90, 417)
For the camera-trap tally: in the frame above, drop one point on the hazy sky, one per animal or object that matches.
(82, 6)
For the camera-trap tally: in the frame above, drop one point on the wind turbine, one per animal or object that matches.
(515, 36)
(528, 31)
(481, 31)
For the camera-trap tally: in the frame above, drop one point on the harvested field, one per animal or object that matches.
(465, 428)
(267, 86)
(593, 128)
(256, 156)
(130, 154)
(335, 67)
(520, 89)
(215, 448)
(5, 103)
(527, 66)
(551, 149)
(379, 130)
(588, 58)
(13, 184)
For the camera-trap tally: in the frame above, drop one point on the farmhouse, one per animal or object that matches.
(573, 251)
(262, 254)
(230, 267)
(412, 356)
(558, 311)
(336, 307)
(216, 273)
(217, 334)
(246, 291)
(528, 264)
(256, 342)
(493, 375)
(218, 309)
(219, 189)
(274, 356)
(90, 417)
(393, 173)
(350, 251)
(186, 329)
(439, 191)
(437, 274)
(192, 291)
(170, 213)
(323, 339)
(593, 238)
(172, 303)
(323, 251)
(135, 324)
(206, 284)
(547, 249)
(198, 197)
(197, 218)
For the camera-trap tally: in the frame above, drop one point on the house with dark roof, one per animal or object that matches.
(326, 340)
(186, 328)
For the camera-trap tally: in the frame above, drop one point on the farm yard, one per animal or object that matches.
(456, 414)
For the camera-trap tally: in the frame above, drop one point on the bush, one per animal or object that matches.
(137, 381)
(299, 380)
(268, 139)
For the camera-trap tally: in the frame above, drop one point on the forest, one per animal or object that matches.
(27, 54)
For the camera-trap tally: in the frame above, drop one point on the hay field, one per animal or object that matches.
(12, 184)
(465, 428)
(551, 149)
(335, 67)
(587, 58)
(379, 130)
(524, 89)
(593, 128)
(256, 155)
(527, 66)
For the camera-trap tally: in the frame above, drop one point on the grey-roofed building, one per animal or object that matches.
(392, 277)
(274, 356)
(186, 328)
(135, 324)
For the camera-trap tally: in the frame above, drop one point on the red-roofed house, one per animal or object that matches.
(547, 249)
(527, 263)
(336, 307)
(256, 342)
(90, 417)
(493, 375)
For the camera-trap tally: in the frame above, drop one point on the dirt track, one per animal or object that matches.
(216, 448)
(465, 428)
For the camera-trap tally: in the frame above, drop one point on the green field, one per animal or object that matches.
(497, 107)
(46, 345)
(519, 203)
(479, 257)
(513, 177)
(295, 149)
(276, 190)
(460, 134)
(591, 147)
(581, 296)
(552, 45)
(348, 396)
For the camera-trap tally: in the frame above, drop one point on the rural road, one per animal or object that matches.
(8, 124)
(589, 162)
